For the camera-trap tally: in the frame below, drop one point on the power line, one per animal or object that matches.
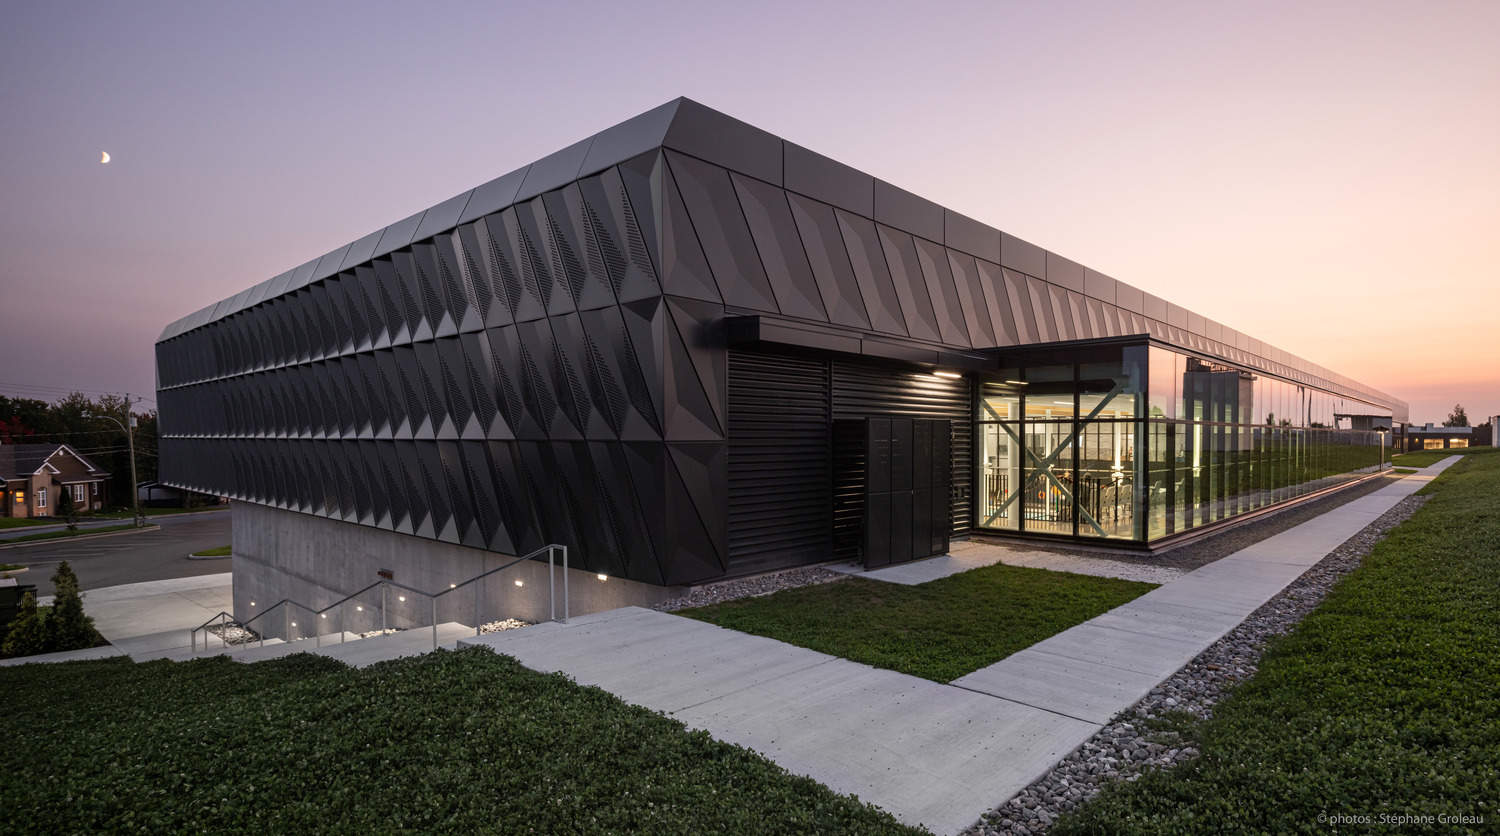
(54, 392)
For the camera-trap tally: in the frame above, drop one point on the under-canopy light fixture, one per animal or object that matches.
(604, 577)
(1016, 382)
(948, 374)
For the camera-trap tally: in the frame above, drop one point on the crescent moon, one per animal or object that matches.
(105, 159)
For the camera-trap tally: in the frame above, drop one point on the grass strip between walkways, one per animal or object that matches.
(1377, 713)
(216, 551)
(939, 630)
(1425, 458)
(451, 742)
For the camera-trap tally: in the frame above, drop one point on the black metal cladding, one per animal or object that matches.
(540, 362)
(779, 462)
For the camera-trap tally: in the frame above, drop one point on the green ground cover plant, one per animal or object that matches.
(461, 742)
(54, 535)
(939, 630)
(21, 522)
(1380, 704)
(217, 551)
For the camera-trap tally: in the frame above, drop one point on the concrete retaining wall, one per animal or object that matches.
(315, 561)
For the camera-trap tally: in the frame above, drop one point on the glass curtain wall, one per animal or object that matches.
(1058, 446)
(1142, 443)
(1222, 441)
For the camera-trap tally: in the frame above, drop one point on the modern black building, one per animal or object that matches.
(689, 349)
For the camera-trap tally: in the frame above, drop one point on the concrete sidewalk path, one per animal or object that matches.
(926, 752)
(932, 754)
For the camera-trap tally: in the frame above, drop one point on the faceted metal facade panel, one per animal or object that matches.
(544, 359)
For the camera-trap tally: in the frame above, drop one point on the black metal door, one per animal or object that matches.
(907, 481)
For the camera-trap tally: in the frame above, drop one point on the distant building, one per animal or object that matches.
(1430, 437)
(33, 477)
(688, 350)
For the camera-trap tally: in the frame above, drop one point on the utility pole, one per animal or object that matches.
(135, 491)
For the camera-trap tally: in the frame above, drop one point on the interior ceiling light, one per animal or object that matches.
(948, 374)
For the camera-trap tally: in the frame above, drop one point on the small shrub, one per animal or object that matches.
(25, 637)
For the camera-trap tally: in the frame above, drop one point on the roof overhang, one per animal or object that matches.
(759, 331)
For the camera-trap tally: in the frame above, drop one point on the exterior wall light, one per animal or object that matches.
(322, 615)
(252, 603)
(400, 597)
(294, 624)
(359, 609)
(518, 583)
(604, 577)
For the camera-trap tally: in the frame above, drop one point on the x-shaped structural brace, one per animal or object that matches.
(1043, 467)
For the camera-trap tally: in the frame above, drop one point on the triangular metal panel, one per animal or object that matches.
(1040, 305)
(623, 510)
(823, 244)
(695, 509)
(582, 374)
(514, 498)
(507, 369)
(776, 238)
(867, 258)
(430, 291)
(640, 211)
(466, 526)
(473, 242)
(544, 381)
(458, 284)
(997, 299)
(554, 170)
(933, 260)
(725, 237)
(693, 408)
(493, 196)
(490, 523)
(442, 217)
(576, 249)
(1058, 299)
(493, 247)
(532, 291)
(634, 136)
(329, 264)
(911, 286)
(398, 235)
(685, 270)
(639, 347)
(972, 300)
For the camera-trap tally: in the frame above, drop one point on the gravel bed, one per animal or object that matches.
(1130, 745)
(501, 626)
(716, 593)
(233, 633)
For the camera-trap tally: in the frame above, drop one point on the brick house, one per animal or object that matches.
(33, 477)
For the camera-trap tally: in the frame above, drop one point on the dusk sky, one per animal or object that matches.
(1322, 176)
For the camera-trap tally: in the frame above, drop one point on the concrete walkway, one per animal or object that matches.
(932, 754)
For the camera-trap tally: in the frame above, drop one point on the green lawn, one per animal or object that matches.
(1427, 458)
(939, 630)
(20, 522)
(465, 743)
(56, 535)
(217, 551)
(1382, 702)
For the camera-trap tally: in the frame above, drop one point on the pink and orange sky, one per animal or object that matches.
(1322, 176)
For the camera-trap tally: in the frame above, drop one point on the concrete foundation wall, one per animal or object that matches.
(315, 561)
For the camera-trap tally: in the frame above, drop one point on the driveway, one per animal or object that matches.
(131, 557)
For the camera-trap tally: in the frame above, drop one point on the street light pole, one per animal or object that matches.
(135, 491)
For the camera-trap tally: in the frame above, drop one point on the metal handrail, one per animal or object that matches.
(383, 583)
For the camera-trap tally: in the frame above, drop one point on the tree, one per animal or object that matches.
(67, 628)
(1457, 418)
(66, 510)
(25, 636)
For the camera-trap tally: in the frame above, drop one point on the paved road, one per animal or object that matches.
(131, 557)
